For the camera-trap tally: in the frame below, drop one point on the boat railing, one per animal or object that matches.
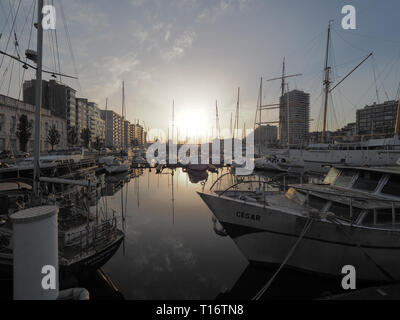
(90, 238)
(352, 199)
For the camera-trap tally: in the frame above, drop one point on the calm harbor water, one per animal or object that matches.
(172, 252)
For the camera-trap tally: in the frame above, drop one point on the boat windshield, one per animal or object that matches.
(381, 217)
(343, 210)
(367, 180)
(345, 178)
(331, 176)
(392, 187)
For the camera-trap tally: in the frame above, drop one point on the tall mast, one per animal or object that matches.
(38, 100)
(237, 114)
(288, 116)
(231, 124)
(326, 82)
(259, 126)
(123, 116)
(173, 119)
(283, 77)
(217, 127)
(397, 128)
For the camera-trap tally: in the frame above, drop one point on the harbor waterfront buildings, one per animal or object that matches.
(62, 108)
(114, 135)
(377, 119)
(12, 109)
(60, 99)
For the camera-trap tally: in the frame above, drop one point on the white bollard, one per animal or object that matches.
(35, 251)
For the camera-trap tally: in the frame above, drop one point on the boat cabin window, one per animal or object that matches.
(345, 178)
(331, 176)
(392, 187)
(316, 202)
(381, 217)
(367, 180)
(343, 210)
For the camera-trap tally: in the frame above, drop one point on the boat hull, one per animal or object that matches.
(266, 235)
(78, 267)
(117, 169)
(320, 161)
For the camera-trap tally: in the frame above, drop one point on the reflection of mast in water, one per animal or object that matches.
(138, 191)
(123, 211)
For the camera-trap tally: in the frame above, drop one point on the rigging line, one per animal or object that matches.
(29, 43)
(12, 28)
(349, 43)
(371, 37)
(70, 46)
(51, 45)
(376, 85)
(289, 255)
(307, 45)
(58, 51)
(8, 17)
(33, 67)
(389, 64)
(349, 236)
(344, 96)
(10, 80)
(23, 28)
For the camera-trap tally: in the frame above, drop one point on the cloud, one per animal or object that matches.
(137, 3)
(181, 44)
(220, 8)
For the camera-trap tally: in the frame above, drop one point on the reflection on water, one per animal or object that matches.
(171, 250)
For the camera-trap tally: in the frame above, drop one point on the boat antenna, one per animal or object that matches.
(38, 100)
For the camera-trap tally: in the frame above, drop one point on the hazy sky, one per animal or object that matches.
(197, 51)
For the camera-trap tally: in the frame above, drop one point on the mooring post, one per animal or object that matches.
(35, 251)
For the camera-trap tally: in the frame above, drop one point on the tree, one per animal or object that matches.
(24, 132)
(53, 137)
(72, 136)
(98, 143)
(85, 136)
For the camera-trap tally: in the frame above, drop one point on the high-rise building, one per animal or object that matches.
(127, 136)
(294, 118)
(114, 135)
(377, 119)
(56, 97)
(96, 124)
(81, 114)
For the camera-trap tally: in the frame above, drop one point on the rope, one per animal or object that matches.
(269, 283)
(341, 227)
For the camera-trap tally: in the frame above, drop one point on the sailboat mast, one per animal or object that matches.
(237, 114)
(397, 128)
(283, 77)
(173, 119)
(123, 116)
(38, 100)
(259, 124)
(217, 120)
(326, 82)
